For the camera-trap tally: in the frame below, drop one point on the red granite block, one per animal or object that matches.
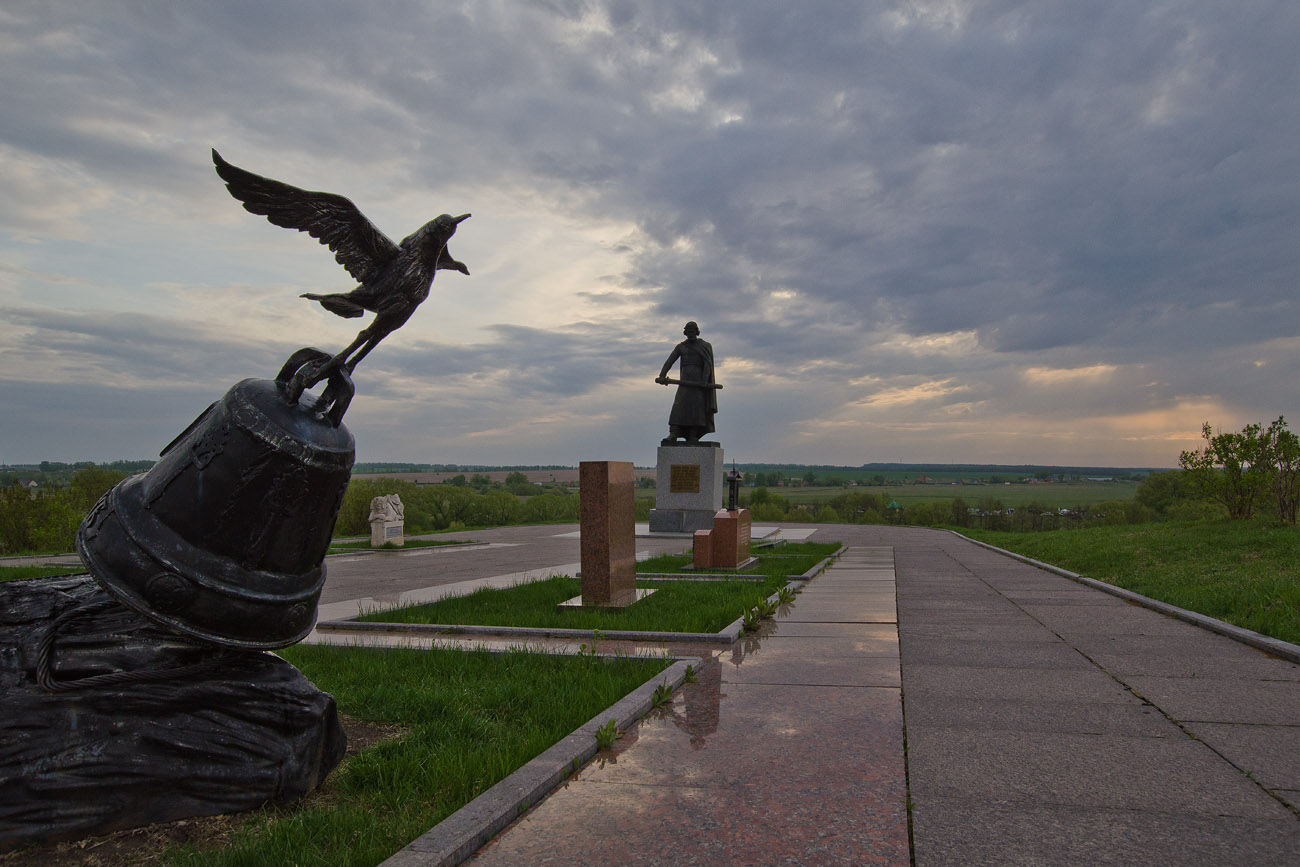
(702, 549)
(608, 518)
(730, 538)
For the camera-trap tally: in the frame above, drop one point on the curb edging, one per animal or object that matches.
(725, 636)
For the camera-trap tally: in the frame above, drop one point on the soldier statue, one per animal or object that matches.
(697, 393)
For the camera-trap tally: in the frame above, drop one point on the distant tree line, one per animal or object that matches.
(45, 518)
(473, 502)
(864, 507)
(1235, 475)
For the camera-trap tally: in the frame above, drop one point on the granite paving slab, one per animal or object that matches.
(787, 628)
(1185, 654)
(955, 831)
(1226, 700)
(1111, 771)
(1133, 718)
(1270, 754)
(994, 653)
(1017, 630)
(1119, 618)
(864, 671)
(866, 639)
(870, 611)
(1026, 685)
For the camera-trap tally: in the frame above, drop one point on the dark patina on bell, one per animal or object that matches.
(225, 537)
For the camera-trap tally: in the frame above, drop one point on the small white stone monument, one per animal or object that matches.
(386, 522)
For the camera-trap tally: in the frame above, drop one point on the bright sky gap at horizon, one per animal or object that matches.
(932, 231)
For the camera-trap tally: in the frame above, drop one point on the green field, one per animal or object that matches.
(1054, 494)
(1051, 495)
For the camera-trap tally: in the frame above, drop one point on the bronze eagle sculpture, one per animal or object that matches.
(394, 278)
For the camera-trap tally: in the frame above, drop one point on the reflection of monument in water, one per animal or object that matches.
(143, 693)
(701, 703)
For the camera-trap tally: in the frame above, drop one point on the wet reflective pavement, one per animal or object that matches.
(787, 750)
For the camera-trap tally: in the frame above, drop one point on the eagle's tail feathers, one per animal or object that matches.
(337, 304)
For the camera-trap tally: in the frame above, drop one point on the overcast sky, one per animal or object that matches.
(930, 231)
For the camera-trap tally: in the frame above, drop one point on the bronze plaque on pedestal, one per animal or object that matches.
(684, 479)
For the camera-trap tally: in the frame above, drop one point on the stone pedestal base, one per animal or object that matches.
(387, 533)
(187, 729)
(688, 488)
(608, 533)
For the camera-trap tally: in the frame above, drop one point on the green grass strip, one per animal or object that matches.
(790, 559)
(18, 573)
(473, 718)
(1246, 573)
(706, 606)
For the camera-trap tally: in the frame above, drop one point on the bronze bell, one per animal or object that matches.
(225, 537)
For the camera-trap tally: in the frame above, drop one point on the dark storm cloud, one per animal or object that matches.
(829, 188)
(1041, 189)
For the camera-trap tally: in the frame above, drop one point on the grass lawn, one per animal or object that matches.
(679, 606)
(1246, 573)
(472, 718)
(15, 573)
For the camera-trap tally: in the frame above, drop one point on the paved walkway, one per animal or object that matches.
(1051, 723)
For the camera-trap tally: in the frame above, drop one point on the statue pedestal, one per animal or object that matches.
(387, 532)
(688, 488)
(226, 730)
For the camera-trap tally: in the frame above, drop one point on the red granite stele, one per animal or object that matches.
(608, 527)
(730, 538)
(726, 546)
(702, 549)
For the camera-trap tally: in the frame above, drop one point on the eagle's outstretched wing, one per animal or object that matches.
(337, 223)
